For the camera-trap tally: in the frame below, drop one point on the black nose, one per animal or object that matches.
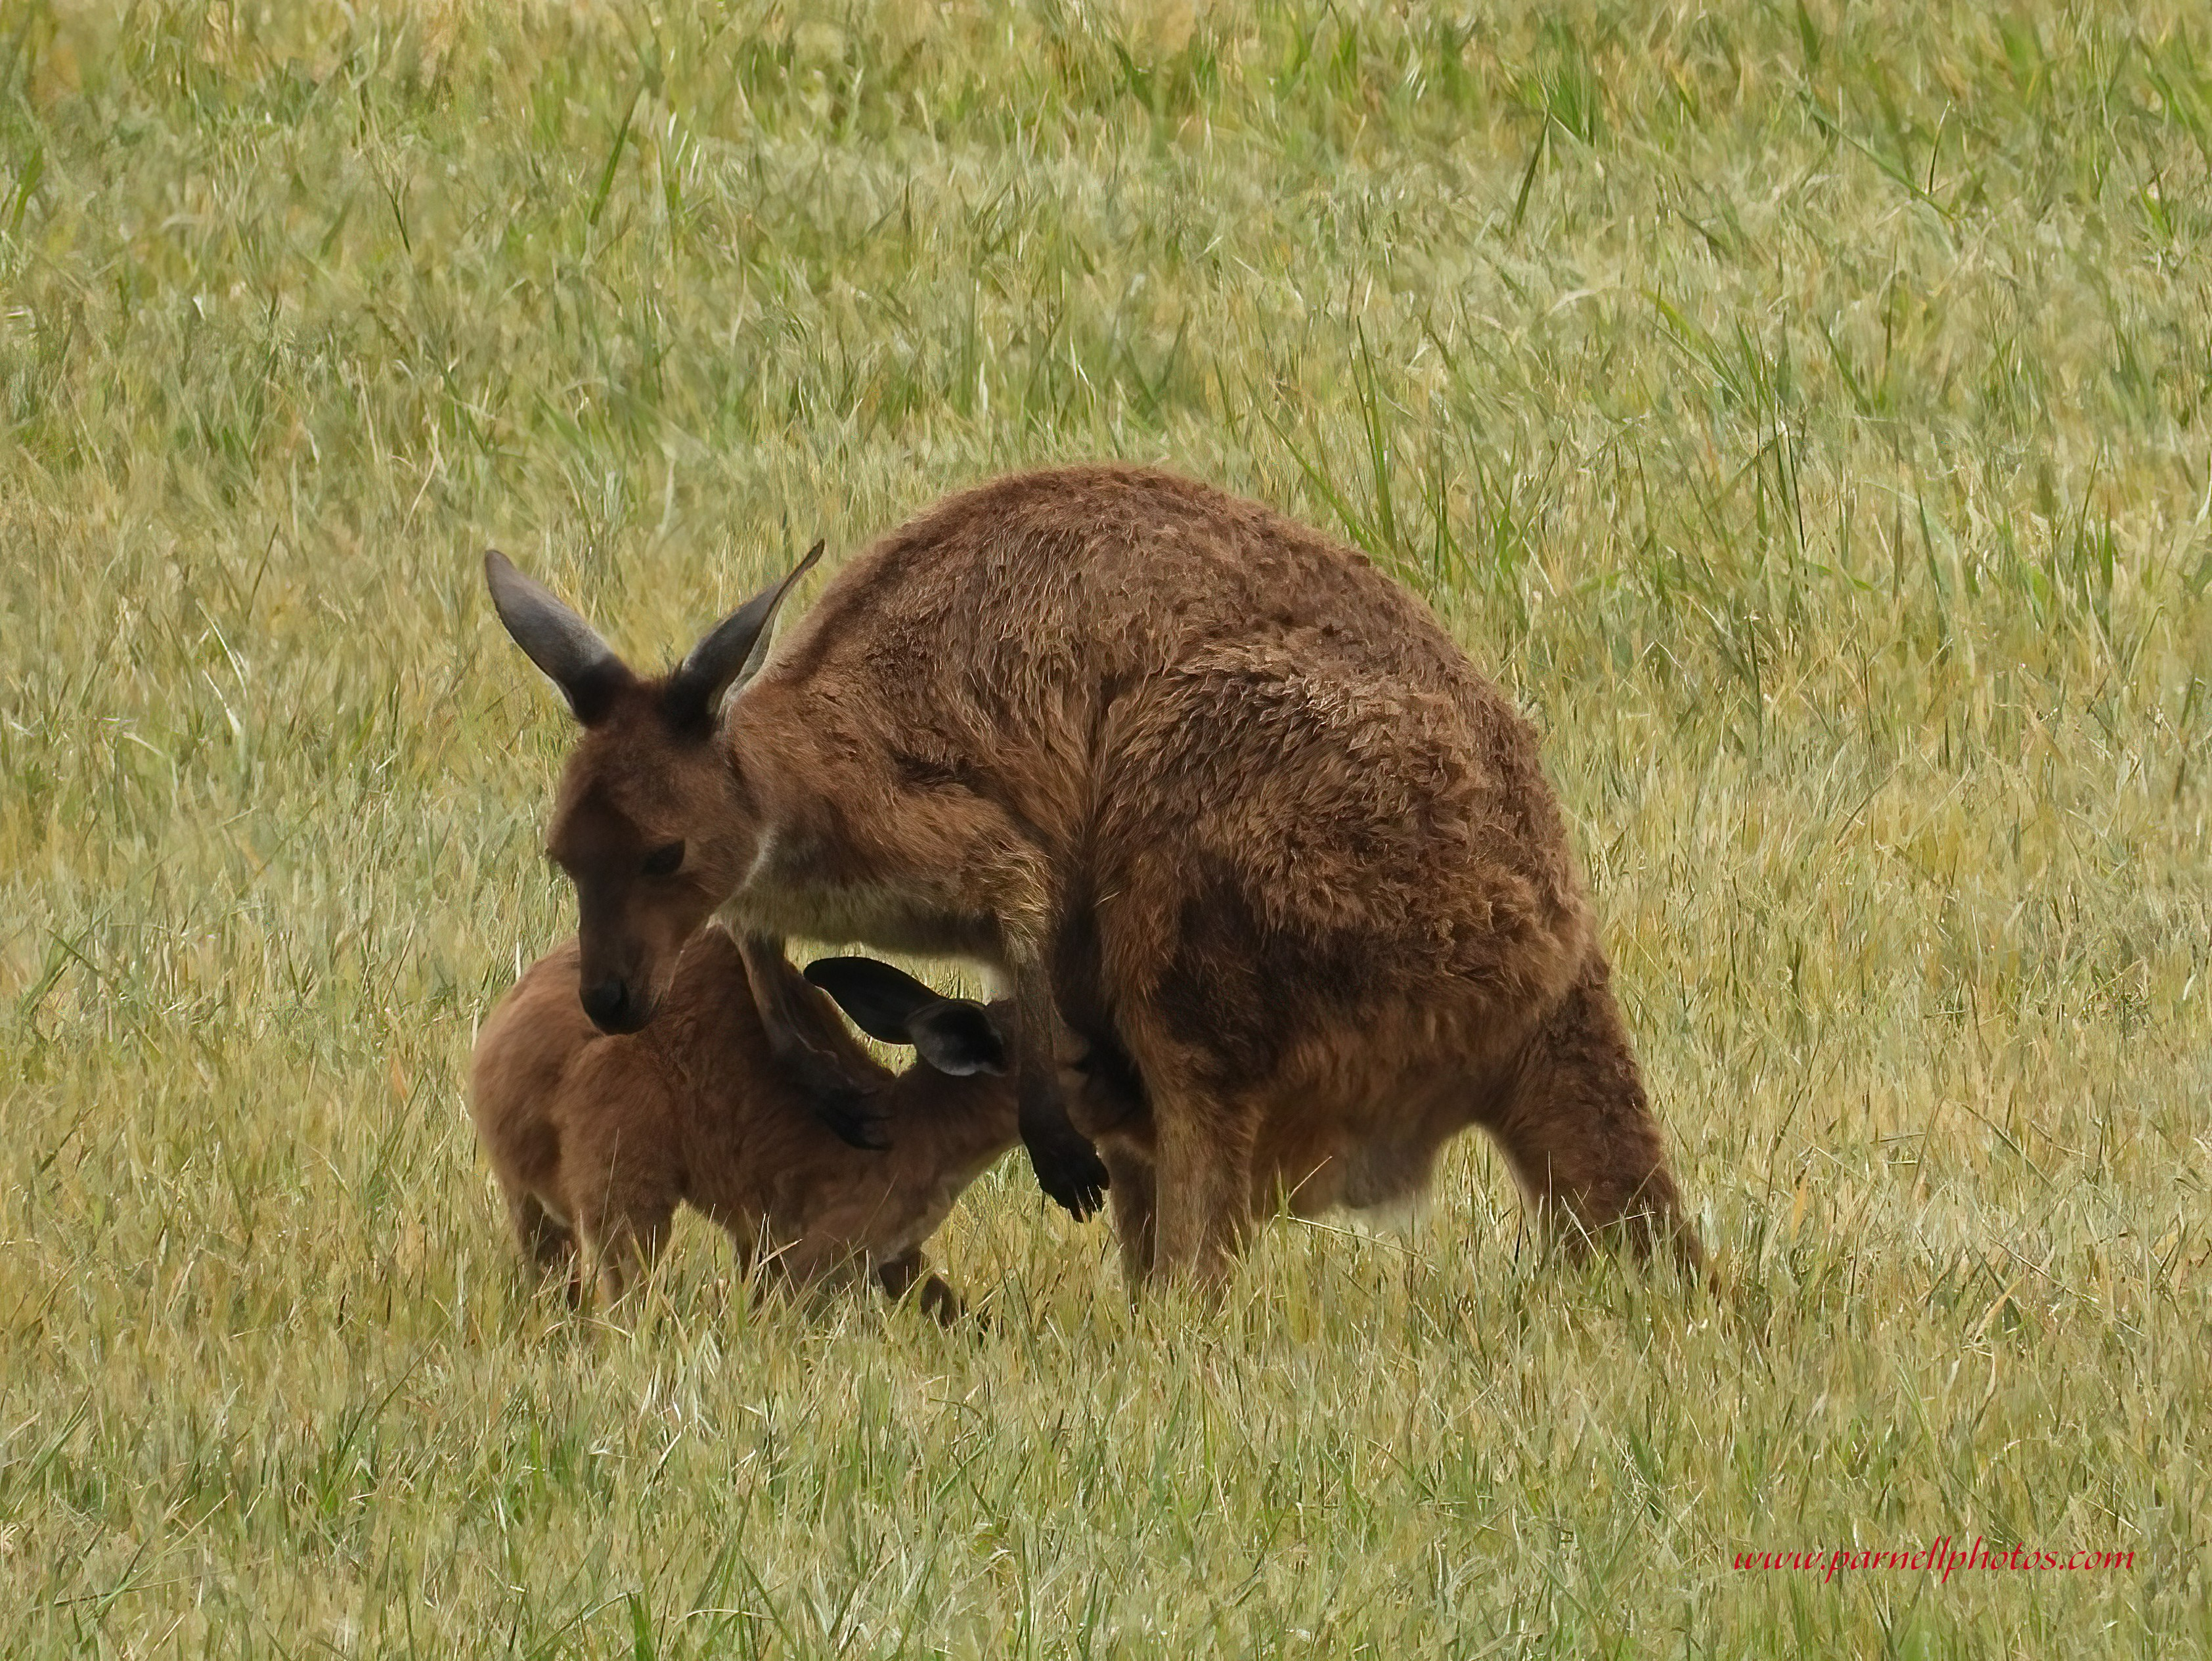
(608, 1004)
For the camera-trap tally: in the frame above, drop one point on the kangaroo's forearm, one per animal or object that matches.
(782, 1022)
(1036, 1024)
(840, 1096)
(1067, 1166)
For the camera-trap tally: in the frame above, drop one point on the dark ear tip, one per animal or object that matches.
(827, 971)
(502, 578)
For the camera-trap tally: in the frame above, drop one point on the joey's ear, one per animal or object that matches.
(568, 648)
(890, 1004)
(952, 1034)
(878, 999)
(730, 654)
(958, 1036)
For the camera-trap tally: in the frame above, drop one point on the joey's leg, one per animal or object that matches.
(1577, 1127)
(911, 1275)
(623, 1209)
(1202, 1183)
(841, 1101)
(1067, 1167)
(1133, 1215)
(548, 1246)
(622, 1247)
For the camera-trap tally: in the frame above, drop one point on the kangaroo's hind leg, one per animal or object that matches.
(1577, 1127)
(1135, 1219)
(1201, 1189)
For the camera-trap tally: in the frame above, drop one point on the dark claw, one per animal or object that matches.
(853, 1115)
(1071, 1175)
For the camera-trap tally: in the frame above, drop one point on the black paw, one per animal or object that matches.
(1072, 1174)
(854, 1116)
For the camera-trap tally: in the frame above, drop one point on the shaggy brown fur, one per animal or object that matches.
(1275, 875)
(595, 1138)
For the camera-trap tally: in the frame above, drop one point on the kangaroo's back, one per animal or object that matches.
(1108, 572)
(1131, 661)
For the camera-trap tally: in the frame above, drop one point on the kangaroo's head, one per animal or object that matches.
(653, 822)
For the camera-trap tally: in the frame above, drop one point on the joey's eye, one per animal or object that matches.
(663, 862)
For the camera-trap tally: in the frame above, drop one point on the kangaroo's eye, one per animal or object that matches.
(664, 861)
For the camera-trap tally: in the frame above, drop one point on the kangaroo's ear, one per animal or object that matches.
(952, 1034)
(730, 656)
(568, 648)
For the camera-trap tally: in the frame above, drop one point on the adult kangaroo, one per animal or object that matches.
(1274, 873)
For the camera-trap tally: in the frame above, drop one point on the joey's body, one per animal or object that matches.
(595, 1137)
(1229, 802)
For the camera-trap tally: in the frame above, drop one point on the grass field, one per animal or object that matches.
(1805, 410)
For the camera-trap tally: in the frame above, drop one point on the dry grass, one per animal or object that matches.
(1805, 413)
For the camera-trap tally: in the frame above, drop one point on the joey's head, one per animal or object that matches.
(652, 822)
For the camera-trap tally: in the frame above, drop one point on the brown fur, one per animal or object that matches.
(1275, 875)
(595, 1138)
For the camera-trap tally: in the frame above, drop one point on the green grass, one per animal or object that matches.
(1806, 411)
